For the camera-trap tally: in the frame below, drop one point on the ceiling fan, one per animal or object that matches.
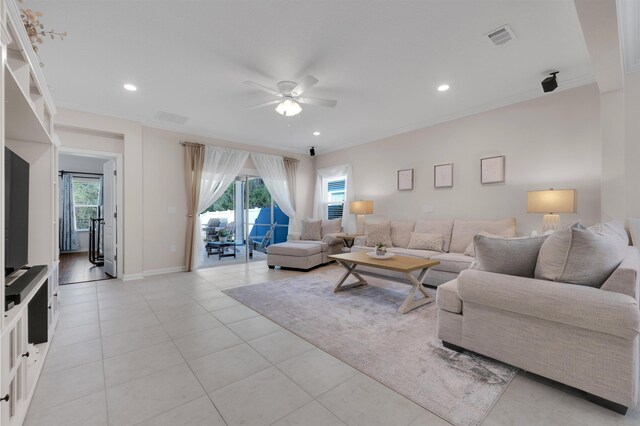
(289, 94)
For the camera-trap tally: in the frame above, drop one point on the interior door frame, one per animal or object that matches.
(119, 197)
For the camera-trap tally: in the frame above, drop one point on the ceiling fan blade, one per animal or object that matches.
(264, 104)
(263, 88)
(321, 102)
(304, 84)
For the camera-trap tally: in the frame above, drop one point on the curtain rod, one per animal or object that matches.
(183, 143)
(62, 172)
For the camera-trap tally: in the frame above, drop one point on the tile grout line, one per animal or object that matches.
(104, 375)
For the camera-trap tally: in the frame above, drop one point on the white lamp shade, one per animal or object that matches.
(288, 108)
(361, 207)
(552, 201)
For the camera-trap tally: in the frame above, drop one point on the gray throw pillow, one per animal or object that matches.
(576, 255)
(509, 256)
(311, 230)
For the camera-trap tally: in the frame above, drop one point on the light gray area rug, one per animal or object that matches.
(362, 327)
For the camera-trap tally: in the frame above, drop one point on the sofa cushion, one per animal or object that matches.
(464, 231)
(471, 250)
(298, 249)
(447, 297)
(332, 226)
(422, 254)
(509, 256)
(379, 234)
(311, 229)
(435, 226)
(324, 246)
(421, 241)
(452, 262)
(576, 255)
(401, 232)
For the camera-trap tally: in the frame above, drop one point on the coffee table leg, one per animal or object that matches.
(410, 303)
(350, 271)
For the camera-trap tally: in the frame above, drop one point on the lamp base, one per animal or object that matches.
(550, 222)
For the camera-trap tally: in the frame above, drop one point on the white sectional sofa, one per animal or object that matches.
(583, 335)
(457, 235)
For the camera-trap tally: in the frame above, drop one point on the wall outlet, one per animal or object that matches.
(173, 248)
(171, 210)
(427, 209)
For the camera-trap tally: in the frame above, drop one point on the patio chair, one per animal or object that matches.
(261, 243)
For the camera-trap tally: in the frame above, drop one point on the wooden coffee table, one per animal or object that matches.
(402, 264)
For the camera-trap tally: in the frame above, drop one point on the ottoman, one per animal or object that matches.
(294, 255)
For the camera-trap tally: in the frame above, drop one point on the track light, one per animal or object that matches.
(550, 84)
(312, 151)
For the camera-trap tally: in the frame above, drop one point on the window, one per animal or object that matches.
(335, 197)
(86, 201)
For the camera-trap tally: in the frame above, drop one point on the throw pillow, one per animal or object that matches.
(509, 256)
(311, 230)
(613, 228)
(420, 241)
(470, 250)
(401, 233)
(577, 255)
(332, 226)
(379, 234)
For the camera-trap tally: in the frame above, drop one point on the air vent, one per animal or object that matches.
(501, 35)
(170, 117)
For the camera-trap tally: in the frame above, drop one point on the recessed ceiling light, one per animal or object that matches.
(316, 133)
(130, 87)
(443, 88)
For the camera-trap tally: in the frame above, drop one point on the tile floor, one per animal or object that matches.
(174, 350)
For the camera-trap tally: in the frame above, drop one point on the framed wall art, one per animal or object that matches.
(443, 175)
(492, 169)
(405, 180)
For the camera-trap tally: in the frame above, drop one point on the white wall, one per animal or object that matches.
(552, 141)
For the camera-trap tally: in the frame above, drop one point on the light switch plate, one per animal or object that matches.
(171, 210)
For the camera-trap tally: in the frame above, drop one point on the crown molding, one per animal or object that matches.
(629, 32)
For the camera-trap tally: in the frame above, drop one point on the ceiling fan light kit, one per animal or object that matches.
(288, 107)
(289, 94)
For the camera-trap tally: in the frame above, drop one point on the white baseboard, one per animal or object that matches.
(131, 277)
(164, 271)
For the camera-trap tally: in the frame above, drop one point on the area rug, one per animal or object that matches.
(362, 327)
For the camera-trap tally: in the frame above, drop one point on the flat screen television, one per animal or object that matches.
(16, 212)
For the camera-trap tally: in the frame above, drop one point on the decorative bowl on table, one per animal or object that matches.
(373, 255)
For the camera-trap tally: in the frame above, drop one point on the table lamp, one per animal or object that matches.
(360, 208)
(551, 202)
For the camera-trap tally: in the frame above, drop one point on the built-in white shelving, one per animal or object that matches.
(26, 127)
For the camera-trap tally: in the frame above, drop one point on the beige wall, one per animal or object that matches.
(164, 187)
(552, 141)
(632, 153)
(153, 182)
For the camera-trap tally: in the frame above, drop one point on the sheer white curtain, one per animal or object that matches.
(221, 166)
(274, 175)
(321, 198)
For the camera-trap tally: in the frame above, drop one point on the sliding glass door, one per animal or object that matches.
(240, 225)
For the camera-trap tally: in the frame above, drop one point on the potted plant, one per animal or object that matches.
(223, 235)
(381, 249)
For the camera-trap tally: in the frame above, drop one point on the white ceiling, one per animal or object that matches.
(382, 61)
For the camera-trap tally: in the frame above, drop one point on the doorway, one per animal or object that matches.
(247, 218)
(87, 238)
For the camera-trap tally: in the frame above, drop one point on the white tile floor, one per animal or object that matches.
(174, 350)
